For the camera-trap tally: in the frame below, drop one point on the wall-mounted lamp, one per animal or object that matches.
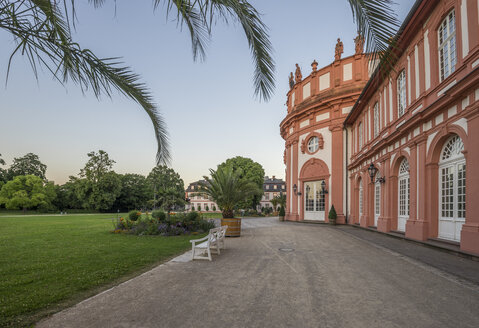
(323, 187)
(372, 173)
(295, 190)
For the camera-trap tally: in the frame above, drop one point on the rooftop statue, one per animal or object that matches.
(338, 50)
(298, 74)
(359, 43)
(291, 80)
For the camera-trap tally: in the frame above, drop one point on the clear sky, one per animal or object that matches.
(209, 107)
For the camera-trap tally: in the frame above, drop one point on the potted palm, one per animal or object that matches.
(226, 189)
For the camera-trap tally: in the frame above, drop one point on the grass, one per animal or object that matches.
(51, 262)
(211, 215)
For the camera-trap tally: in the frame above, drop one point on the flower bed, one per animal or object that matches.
(160, 224)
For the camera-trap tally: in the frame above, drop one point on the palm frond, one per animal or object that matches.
(43, 36)
(378, 24)
(258, 39)
(200, 16)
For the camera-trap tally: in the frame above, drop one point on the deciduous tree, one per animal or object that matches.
(29, 164)
(27, 192)
(250, 171)
(167, 186)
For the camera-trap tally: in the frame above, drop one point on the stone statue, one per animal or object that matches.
(359, 43)
(314, 65)
(291, 81)
(299, 76)
(338, 50)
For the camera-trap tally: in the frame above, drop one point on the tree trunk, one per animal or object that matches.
(227, 214)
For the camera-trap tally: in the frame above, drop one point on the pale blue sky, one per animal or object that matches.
(209, 107)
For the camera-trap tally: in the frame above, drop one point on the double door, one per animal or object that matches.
(314, 201)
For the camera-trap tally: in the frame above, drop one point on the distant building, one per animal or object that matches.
(272, 187)
(199, 203)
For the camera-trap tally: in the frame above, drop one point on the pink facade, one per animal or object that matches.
(314, 135)
(418, 125)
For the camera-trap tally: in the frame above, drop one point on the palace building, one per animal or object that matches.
(397, 150)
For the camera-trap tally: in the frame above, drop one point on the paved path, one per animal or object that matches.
(331, 279)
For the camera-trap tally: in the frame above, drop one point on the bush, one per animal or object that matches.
(159, 215)
(281, 211)
(134, 215)
(176, 224)
(199, 207)
(207, 208)
(214, 208)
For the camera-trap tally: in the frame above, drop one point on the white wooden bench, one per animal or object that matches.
(201, 248)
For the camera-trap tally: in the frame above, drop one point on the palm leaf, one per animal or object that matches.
(378, 24)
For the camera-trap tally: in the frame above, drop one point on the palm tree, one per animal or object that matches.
(226, 189)
(274, 201)
(42, 32)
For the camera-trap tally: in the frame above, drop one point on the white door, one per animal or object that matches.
(314, 204)
(452, 190)
(377, 202)
(403, 195)
(360, 199)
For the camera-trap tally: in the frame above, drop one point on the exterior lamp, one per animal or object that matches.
(323, 187)
(372, 173)
(295, 190)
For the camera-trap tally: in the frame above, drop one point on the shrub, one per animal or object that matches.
(134, 215)
(159, 215)
(332, 215)
(214, 208)
(199, 207)
(281, 211)
(207, 208)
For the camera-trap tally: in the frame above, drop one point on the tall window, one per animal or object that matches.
(447, 45)
(360, 135)
(401, 83)
(376, 119)
(360, 197)
(452, 194)
(403, 192)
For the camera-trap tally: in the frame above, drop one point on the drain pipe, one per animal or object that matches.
(346, 176)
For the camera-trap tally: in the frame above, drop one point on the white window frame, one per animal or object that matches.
(401, 92)
(377, 199)
(313, 144)
(361, 194)
(452, 162)
(376, 119)
(447, 47)
(404, 195)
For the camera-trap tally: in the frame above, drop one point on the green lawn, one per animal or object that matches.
(50, 262)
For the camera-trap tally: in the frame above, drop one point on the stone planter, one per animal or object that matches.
(234, 226)
(281, 218)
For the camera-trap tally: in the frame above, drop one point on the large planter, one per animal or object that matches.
(234, 226)
(281, 218)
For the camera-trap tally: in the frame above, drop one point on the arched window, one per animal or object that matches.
(403, 193)
(360, 198)
(376, 119)
(377, 199)
(401, 92)
(452, 189)
(447, 45)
